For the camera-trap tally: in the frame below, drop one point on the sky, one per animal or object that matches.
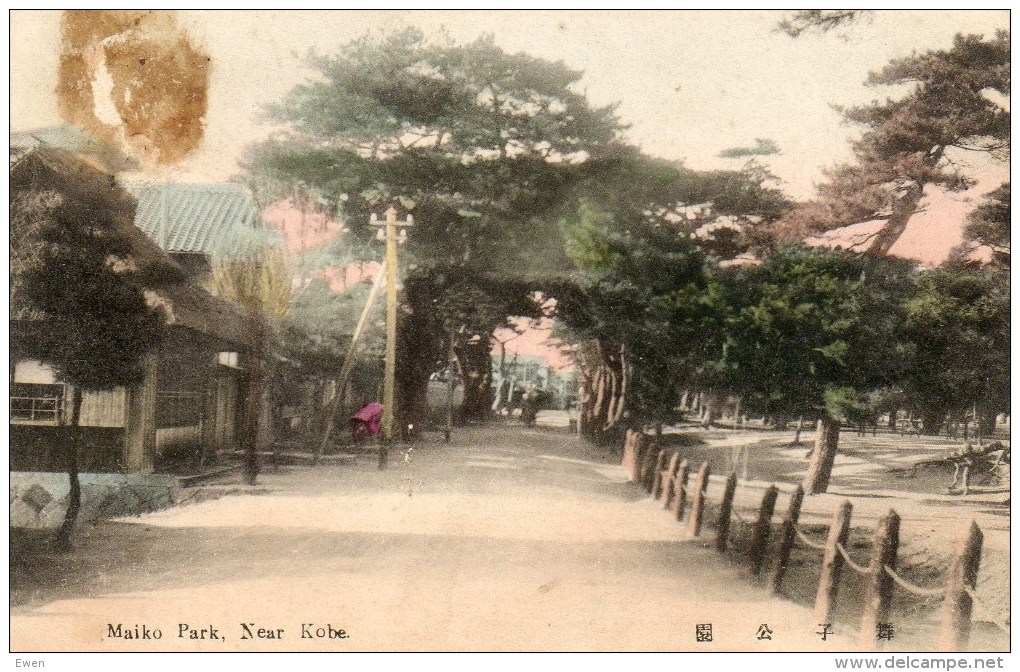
(690, 83)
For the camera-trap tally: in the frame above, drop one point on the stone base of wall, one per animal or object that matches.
(39, 499)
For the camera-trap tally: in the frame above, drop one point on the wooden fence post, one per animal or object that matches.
(648, 465)
(639, 457)
(660, 464)
(878, 594)
(832, 564)
(787, 534)
(722, 525)
(954, 626)
(698, 504)
(669, 479)
(760, 535)
(680, 489)
(648, 473)
(629, 458)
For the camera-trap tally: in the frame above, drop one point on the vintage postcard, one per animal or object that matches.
(511, 331)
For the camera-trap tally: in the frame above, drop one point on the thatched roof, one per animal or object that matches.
(74, 140)
(48, 172)
(188, 305)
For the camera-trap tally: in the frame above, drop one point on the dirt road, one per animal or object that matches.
(505, 540)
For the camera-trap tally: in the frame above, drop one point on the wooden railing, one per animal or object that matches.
(665, 475)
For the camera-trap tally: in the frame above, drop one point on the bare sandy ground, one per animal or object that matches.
(875, 475)
(505, 540)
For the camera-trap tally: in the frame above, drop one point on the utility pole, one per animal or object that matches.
(389, 380)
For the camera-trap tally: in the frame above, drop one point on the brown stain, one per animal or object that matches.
(160, 81)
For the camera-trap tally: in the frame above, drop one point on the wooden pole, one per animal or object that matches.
(633, 458)
(787, 534)
(660, 464)
(832, 564)
(698, 504)
(760, 533)
(680, 489)
(389, 380)
(628, 454)
(336, 401)
(725, 510)
(954, 625)
(254, 390)
(648, 463)
(879, 591)
(451, 362)
(640, 447)
(669, 479)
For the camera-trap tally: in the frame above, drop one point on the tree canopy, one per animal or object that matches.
(820, 20)
(951, 107)
(988, 227)
(645, 243)
(958, 326)
(666, 276)
(482, 146)
(479, 144)
(808, 329)
(77, 279)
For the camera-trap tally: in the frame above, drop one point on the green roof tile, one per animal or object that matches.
(220, 220)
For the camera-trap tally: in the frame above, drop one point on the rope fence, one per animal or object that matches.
(912, 587)
(666, 477)
(860, 569)
(804, 539)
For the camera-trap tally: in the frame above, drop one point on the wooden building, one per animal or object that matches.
(188, 406)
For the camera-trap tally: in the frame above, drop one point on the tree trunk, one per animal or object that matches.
(73, 451)
(476, 372)
(931, 421)
(419, 346)
(986, 423)
(816, 481)
(604, 382)
(708, 414)
(800, 427)
(904, 207)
